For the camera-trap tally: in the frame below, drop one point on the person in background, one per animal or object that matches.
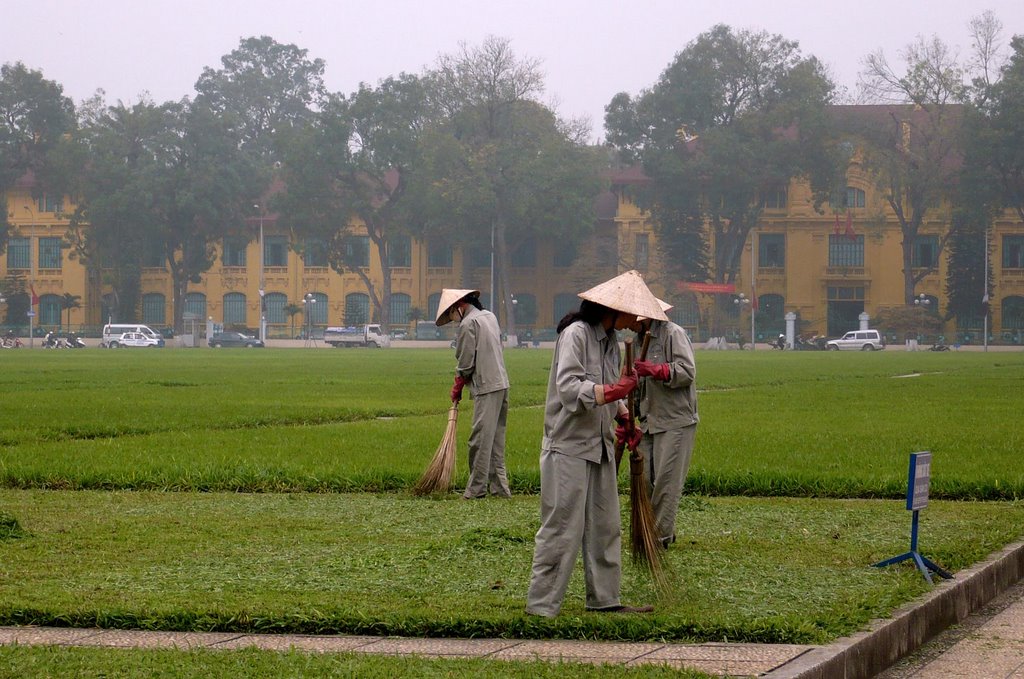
(480, 363)
(579, 494)
(667, 399)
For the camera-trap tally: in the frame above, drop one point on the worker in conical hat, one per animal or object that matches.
(667, 401)
(578, 476)
(480, 363)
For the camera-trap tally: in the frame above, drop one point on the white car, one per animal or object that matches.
(135, 339)
(857, 340)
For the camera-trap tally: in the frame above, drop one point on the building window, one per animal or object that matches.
(195, 303)
(565, 255)
(154, 308)
(477, 258)
(433, 301)
(771, 251)
(525, 255)
(400, 252)
(440, 257)
(357, 308)
(854, 197)
(48, 203)
(49, 253)
(49, 310)
(1013, 313)
(1013, 252)
(19, 253)
(774, 199)
(526, 309)
(314, 253)
(845, 250)
(925, 253)
(686, 314)
(275, 251)
(273, 307)
(357, 251)
(640, 250)
(400, 304)
(564, 304)
(233, 253)
(234, 308)
(845, 294)
(153, 255)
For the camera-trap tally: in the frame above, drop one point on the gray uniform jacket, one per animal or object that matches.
(479, 353)
(574, 425)
(672, 404)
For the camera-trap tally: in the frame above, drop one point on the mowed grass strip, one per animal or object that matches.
(85, 663)
(753, 570)
(772, 423)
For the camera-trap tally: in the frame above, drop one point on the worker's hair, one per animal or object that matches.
(474, 300)
(589, 312)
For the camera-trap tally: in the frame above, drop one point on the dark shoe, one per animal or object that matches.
(622, 609)
(665, 542)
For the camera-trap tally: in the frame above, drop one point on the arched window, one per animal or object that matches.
(154, 308)
(685, 313)
(357, 308)
(854, 197)
(273, 307)
(526, 309)
(432, 303)
(318, 310)
(234, 308)
(1013, 312)
(564, 303)
(195, 303)
(400, 303)
(49, 310)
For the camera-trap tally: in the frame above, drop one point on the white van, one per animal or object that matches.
(112, 334)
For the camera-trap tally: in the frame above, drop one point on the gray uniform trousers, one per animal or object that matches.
(487, 446)
(587, 496)
(667, 456)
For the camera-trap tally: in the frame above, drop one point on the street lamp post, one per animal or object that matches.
(263, 315)
(921, 302)
(309, 299)
(740, 300)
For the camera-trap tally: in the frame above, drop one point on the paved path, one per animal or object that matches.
(741, 660)
(987, 645)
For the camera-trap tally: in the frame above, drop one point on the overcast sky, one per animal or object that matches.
(589, 49)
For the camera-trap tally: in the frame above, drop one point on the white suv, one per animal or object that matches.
(858, 340)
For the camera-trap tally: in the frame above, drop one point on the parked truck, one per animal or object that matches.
(357, 336)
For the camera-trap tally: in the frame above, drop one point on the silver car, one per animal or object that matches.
(857, 340)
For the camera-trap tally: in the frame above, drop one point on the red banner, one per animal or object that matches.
(710, 288)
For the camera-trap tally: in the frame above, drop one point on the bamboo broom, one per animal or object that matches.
(645, 547)
(438, 476)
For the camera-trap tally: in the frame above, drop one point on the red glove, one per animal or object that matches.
(659, 371)
(457, 386)
(613, 392)
(627, 433)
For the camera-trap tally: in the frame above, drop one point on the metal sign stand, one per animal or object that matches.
(919, 477)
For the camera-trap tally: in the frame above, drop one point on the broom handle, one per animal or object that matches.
(633, 407)
(627, 368)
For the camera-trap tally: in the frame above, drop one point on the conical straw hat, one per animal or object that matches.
(627, 293)
(450, 296)
(665, 306)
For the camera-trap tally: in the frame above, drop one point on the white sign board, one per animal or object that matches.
(919, 479)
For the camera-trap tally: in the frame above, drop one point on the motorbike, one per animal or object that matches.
(74, 341)
(9, 341)
(52, 341)
(780, 343)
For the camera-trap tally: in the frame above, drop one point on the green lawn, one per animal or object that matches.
(784, 424)
(258, 536)
(744, 569)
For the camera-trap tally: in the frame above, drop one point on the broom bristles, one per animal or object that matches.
(645, 545)
(438, 476)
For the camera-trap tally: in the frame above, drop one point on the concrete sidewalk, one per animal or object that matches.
(988, 644)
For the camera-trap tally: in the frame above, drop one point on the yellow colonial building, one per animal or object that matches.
(828, 269)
